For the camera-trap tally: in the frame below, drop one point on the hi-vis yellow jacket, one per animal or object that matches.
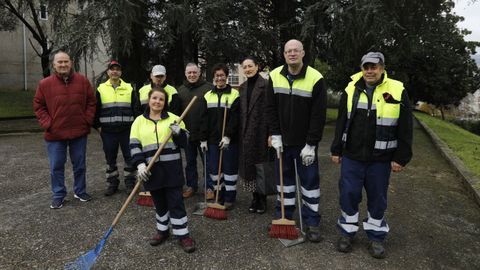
(115, 106)
(146, 137)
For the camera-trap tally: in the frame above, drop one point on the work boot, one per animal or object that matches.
(158, 239)
(344, 244)
(253, 205)
(111, 190)
(376, 249)
(313, 234)
(188, 192)
(261, 203)
(187, 244)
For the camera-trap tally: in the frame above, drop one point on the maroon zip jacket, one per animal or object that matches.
(65, 109)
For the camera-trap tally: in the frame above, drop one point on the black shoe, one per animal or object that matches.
(158, 239)
(344, 244)
(313, 234)
(83, 197)
(261, 204)
(376, 249)
(57, 203)
(111, 190)
(253, 205)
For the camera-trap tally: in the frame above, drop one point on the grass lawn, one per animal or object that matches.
(15, 103)
(462, 142)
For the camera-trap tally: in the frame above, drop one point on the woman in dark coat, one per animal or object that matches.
(253, 131)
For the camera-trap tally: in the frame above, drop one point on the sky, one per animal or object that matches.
(471, 12)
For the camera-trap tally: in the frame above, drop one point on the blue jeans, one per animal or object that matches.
(191, 152)
(57, 155)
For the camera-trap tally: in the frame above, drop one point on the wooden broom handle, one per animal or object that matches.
(150, 165)
(221, 151)
(282, 206)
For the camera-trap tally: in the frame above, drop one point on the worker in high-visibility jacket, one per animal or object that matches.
(116, 110)
(373, 137)
(214, 102)
(158, 77)
(165, 179)
(296, 109)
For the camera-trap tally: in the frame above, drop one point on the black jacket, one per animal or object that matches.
(362, 133)
(298, 119)
(212, 119)
(193, 119)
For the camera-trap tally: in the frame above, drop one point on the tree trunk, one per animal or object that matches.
(45, 61)
(442, 113)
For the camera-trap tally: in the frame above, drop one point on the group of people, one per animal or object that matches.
(287, 112)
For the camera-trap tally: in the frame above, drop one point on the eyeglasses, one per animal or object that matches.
(293, 51)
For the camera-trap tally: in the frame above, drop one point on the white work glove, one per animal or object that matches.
(204, 146)
(224, 142)
(277, 144)
(308, 155)
(142, 172)
(175, 128)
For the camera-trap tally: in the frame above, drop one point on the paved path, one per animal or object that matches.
(435, 222)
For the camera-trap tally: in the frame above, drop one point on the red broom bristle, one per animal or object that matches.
(215, 213)
(145, 201)
(283, 232)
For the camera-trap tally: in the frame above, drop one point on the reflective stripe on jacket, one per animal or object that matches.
(296, 106)
(212, 117)
(146, 89)
(116, 105)
(302, 87)
(146, 137)
(385, 105)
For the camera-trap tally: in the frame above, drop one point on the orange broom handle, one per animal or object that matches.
(150, 165)
(221, 151)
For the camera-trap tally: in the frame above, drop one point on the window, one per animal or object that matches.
(233, 79)
(43, 12)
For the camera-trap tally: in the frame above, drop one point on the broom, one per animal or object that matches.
(216, 210)
(145, 199)
(87, 260)
(283, 228)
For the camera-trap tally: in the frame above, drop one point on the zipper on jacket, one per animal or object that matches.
(156, 135)
(365, 130)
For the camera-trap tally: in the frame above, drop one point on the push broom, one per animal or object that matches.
(145, 199)
(283, 228)
(216, 210)
(87, 260)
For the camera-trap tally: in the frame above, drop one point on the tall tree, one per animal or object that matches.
(27, 12)
(423, 46)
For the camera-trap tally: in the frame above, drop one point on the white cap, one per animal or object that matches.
(158, 70)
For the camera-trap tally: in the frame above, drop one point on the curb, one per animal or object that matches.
(15, 132)
(469, 179)
(17, 118)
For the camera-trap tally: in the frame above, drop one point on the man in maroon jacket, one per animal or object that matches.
(64, 105)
